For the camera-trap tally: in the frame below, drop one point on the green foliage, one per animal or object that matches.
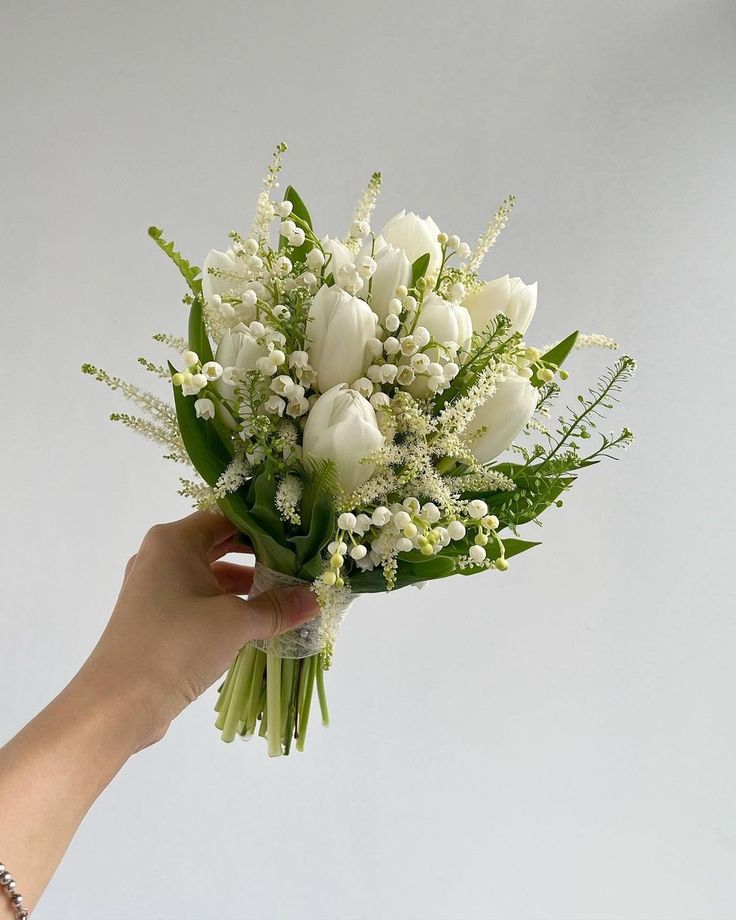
(208, 454)
(604, 395)
(536, 489)
(419, 268)
(557, 355)
(265, 526)
(317, 513)
(191, 273)
(197, 334)
(301, 216)
(486, 345)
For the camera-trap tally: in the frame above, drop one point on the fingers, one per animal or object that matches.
(230, 545)
(204, 530)
(233, 579)
(270, 613)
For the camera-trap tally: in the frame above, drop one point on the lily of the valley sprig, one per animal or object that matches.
(345, 401)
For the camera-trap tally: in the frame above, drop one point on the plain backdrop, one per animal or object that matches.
(556, 742)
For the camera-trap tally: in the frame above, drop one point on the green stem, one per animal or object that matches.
(287, 687)
(307, 702)
(291, 707)
(237, 703)
(273, 704)
(256, 691)
(227, 694)
(321, 690)
(223, 691)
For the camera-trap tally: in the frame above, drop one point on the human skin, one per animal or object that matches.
(177, 625)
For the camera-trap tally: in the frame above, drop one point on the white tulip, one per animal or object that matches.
(339, 330)
(503, 415)
(213, 286)
(240, 350)
(446, 321)
(415, 235)
(342, 427)
(506, 295)
(393, 268)
(340, 253)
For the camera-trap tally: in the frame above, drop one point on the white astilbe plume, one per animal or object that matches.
(364, 209)
(166, 435)
(454, 419)
(596, 340)
(152, 405)
(156, 369)
(173, 341)
(592, 340)
(481, 480)
(491, 233)
(232, 477)
(382, 483)
(214, 322)
(201, 495)
(534, 425)
(288, 496)
(264, 209)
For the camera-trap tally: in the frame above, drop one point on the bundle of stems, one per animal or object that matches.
(271, 696)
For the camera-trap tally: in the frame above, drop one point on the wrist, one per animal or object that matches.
(120, 710)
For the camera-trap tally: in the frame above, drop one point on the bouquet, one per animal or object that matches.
(345, 402)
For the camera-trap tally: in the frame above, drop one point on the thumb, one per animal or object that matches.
(272, 612)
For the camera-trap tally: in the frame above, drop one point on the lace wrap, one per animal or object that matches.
(309, 638)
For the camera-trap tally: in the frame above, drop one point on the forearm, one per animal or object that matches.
(52, 772)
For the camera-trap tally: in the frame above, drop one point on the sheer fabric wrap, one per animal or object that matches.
(309, 638)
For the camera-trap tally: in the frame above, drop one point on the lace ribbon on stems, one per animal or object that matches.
(311, 637)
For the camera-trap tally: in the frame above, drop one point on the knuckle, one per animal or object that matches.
(156, 537)
(275, 614)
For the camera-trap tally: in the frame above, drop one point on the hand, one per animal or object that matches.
(178, 622)
(176, 627)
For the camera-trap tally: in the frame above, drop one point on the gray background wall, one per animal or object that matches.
(554, 743)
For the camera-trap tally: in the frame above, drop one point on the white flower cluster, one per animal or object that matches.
(390, 358)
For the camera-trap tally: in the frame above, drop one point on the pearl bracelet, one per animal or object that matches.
(8, 883)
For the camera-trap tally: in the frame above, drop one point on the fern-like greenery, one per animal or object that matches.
(190, 273)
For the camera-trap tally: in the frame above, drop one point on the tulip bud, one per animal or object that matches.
(416, 236)
(506, 295)
(239, 350)
(444, 322)
(342, 427)
(503, 415)
(339, 333)
(340, 253)
(393, 270)
(229, 283)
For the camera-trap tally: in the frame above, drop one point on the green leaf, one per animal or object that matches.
(268, 551)
(515, 547)
(210, 459)
(261, 500)
(310, 545)
(191, 273)
(419, 268)
(512, 547)
(298, 206)
(299, 210)
(198, 339)
(557, 355)
(206, 451)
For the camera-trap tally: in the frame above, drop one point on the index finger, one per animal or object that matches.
(204, 530)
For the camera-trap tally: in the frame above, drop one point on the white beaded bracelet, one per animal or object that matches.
(8, 883)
